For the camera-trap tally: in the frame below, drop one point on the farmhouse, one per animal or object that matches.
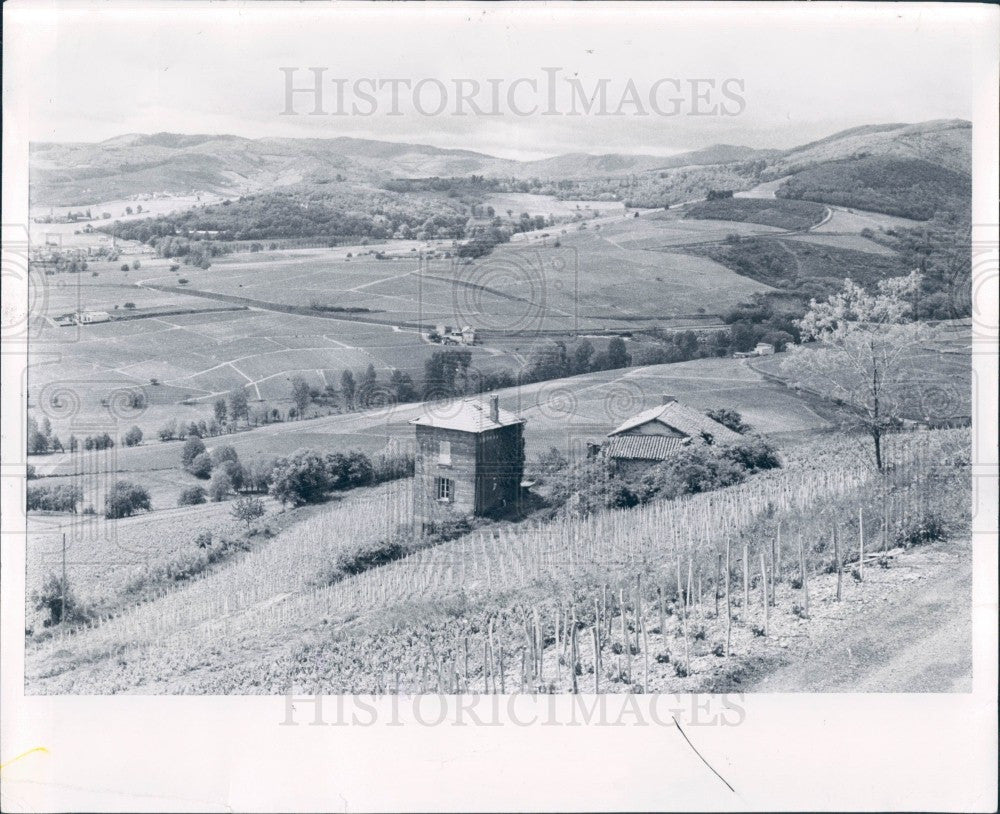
(469, 461)
(656, 434)
(764, 349)
(89, 317)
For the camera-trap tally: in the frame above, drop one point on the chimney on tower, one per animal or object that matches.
(495, 409)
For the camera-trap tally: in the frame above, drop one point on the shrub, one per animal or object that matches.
(125, 499)
(927, 528)
(204, 539)
(728, 418)
(192, 496)
(752, 454)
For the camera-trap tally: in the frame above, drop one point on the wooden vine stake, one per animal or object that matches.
(746, 581)
(597, 661)
(729, 604)
(861, 545)
(763, 587)
(718, 580)
(803, 577)
(645, 657)
(838, 563)
(663, 616)
(684, 627)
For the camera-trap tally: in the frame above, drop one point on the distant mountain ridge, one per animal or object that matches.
(176, 163)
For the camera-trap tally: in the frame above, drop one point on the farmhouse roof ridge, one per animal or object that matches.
(643, 447)
(467, 415)
(680, 417)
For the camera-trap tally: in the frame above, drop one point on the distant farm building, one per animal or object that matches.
(464, 336)
(469, 461)
(89, 317)
(656, 434)
(761, 349)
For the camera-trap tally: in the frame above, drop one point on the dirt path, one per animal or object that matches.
(914, 635)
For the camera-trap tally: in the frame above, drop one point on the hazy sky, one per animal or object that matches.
(805, 71)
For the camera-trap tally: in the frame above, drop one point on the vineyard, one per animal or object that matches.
(648, 599)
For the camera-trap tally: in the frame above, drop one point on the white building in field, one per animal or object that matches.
(764, 349)
(90, 317)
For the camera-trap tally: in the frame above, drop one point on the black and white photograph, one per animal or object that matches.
(365, 364)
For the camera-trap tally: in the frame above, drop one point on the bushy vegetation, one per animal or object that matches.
(309, 476)
(594, 484)
(808, 270)
(783, 214)
(60, 498)
(60, 602)
(200, 234)
(730, 418)
(907, 187)
(126, 499)
(191, 496)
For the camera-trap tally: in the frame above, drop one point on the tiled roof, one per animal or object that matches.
(682, 418)
(467, 415)
(643, 447)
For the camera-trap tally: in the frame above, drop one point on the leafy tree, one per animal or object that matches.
(583, 353)
(402, 387)
(258, 473)
(348, 387)
(125, 499)
(302, 478)
(133, 437)
(201, 466)
(168, 431)
(220, 486)
(860, 343)
(248, 509)
(235, 472)
(38, 444)
(239, 404)
(224, 453)
(193, 447)
(300, 394)
(220, 410)
(617, 354)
